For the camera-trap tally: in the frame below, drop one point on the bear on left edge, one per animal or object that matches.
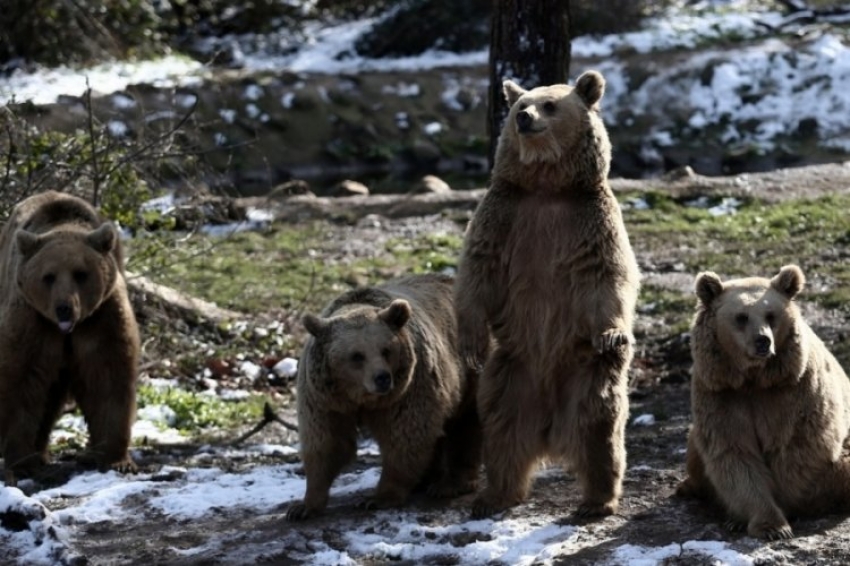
(385, 358)
(67, 332)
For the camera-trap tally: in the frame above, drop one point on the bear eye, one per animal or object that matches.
(49, 279)
(385, 353)
(770, 318)
(741, 319)
(549, 107)
(522, 106)
(358, 357)
(80, 276)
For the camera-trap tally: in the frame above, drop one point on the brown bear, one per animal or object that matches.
(770, 404)
(67, 332)
(385, 359)
(547, 267)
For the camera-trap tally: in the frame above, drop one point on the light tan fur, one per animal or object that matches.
(547, 267)
(67, 331)
(385, 359)
(770, 404)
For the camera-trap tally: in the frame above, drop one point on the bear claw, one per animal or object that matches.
(298, 512)
(610, 340)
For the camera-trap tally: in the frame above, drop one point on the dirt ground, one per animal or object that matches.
(650, 515)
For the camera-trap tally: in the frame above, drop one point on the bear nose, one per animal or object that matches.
(64, 312)
(763, 344)
(524, 121)
(383, 381)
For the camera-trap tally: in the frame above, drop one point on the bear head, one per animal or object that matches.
(754, 317)
(557, 125)
(367, 352)
(65, 275)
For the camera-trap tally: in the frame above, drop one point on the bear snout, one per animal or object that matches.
(383, 381)
(524, 121)
(764, 345)
(65, 317)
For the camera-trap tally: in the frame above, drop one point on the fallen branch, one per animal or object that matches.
(269, 416)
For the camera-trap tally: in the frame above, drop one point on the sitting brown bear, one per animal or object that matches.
(770, 404)
(385, 358)
(66, 331)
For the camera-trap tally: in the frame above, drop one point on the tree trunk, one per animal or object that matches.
(530, 44)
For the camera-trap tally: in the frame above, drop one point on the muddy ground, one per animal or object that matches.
(649, 516)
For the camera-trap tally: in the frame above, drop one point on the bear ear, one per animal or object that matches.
(512, 91)
(590, 87)
(28, 243)
(314, 325)
(789, 281)
(397, 314)
(102, 239)
(708, 287)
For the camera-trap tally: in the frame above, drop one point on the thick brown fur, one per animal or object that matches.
(770, 404)
(385, 359)
(547, 267)
(67, 332)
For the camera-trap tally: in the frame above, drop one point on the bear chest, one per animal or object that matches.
(550, 244)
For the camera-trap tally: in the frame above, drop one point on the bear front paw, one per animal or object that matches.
(451, 487)
(299, 511)
(611, 340)
(125, 466)
(484, 507)
(596, 509)
(770, 530)
(382, 501)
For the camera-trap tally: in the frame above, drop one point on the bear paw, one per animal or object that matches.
(125, 466)
(473, 343)
(299, 511)
(451, 487)
(381, 501)
(770, 530)
(734, 526)
(484, 507)
(611, 340)
(596, 509)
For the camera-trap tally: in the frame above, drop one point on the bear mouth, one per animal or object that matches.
(65, 326)
(530, 131)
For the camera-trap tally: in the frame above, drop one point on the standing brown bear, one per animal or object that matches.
(548, 268)
(67, 331)
(385, 358)
(770, 404)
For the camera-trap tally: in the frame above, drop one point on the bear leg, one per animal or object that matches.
(600, 469)
(696, 483)
(106, 395)
(460, 453)
(328, 443)
(54, 403)
(513, 430)
(409, 451)
(22, 415)
(593, 438)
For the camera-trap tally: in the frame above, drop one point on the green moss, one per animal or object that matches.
(433, 252)
(675, 308)
(197, 413)
(288, 268)
(757, 240)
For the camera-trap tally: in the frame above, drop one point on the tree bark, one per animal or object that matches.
(530, 44)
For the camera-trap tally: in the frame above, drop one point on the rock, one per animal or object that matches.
(349, 188)
(683, 172)
(290, 189)
(430, 184)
